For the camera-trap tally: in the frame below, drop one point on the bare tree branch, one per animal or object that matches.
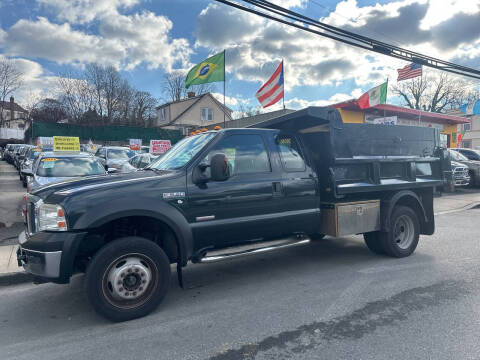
(11, 79)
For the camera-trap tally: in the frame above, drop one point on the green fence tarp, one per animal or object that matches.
(104, 133)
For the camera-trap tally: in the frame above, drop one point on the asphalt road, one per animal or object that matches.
(326, 300)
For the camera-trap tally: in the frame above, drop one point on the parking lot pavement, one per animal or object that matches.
(331, 299)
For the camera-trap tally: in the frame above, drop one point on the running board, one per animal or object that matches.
(229, 255)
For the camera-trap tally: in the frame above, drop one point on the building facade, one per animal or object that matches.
(13, 115)
(448, 125)
(192, 113)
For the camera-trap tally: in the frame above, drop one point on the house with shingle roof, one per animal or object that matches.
(194, 112)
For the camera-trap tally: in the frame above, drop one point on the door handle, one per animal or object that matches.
(277, 188)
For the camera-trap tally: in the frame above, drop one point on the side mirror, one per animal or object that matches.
(219, 168)
(27, 172)
(111, 170)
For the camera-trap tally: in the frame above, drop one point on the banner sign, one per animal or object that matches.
(389, 120)
(135, 144)
(159, 146)
(66, 143)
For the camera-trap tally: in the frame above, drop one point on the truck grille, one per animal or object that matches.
(460, 171)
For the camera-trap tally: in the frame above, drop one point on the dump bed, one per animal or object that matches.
(355, 158)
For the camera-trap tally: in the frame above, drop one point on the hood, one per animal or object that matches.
(101, 182)
(41, 181)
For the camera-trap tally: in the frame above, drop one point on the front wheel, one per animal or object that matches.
(127, 278)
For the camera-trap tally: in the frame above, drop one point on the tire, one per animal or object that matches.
(402, 239)
(114, 278)
(316, 237)
(373, 242)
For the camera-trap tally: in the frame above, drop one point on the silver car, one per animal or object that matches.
(137, 162)
(53, 167)
(112, 157)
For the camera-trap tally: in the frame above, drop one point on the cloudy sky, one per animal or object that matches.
(145, 39)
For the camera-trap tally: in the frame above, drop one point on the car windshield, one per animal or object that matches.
(69, 167)
(182, 152)
(472, 155)
(120, 154)
(457, 156)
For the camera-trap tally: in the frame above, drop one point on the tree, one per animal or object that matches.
(432, 93)
(95, 77)
(10, 81)
(247, 110)
(174, 87)
(144, 107)
(49, 110)
(76, 94)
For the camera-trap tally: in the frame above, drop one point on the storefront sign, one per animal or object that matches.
(159, 146)
(66, 143)
(389, 120)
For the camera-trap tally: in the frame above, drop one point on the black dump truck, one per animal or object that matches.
(226, 193)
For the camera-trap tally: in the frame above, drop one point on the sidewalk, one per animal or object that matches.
(10, 273)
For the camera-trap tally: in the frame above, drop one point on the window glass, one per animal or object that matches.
(423, 169)
(134, 161)
(456, 156)
(245, 153)
(144, 161)
(69, 167)
(290, 153)
(207, 114)
(470, 154)
(182, 152)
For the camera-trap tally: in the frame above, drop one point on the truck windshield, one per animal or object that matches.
(182, 152)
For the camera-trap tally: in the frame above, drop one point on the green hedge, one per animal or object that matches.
(104, 133)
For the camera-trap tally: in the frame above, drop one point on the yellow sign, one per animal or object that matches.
(66, 143)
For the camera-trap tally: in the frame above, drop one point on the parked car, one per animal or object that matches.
(53, 167)
(16, 154)
(20, 156)
(8, 152)
(112, 157)
(11, 153)
(294, 179)
(460, 174)
(27, 163)
(473, 166)
(137, 162)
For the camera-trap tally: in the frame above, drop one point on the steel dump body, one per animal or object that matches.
(361, 158)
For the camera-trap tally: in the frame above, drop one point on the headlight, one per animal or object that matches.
(50, 217)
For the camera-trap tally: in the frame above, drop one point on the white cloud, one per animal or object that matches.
(255, 46)
(124, 41)
(85, 11)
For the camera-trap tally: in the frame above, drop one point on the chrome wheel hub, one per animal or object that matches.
(128, 278)
(404, 232)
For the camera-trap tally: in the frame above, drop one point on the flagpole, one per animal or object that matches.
(224, 81)
(283, 69)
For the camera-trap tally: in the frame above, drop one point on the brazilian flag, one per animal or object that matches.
(209, 70)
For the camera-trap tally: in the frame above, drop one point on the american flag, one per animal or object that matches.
(410, 71)
(272, 90)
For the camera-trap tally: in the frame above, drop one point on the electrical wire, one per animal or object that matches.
(290, 18)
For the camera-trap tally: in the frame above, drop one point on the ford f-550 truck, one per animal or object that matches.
(232, 192)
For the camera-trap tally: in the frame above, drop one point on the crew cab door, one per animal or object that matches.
(299, 185)
(244, 207)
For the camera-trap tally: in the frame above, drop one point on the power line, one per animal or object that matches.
(294, 19)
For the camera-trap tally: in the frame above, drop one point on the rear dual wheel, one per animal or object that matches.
(127, 278)
(401, 240)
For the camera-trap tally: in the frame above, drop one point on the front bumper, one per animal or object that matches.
(49, 255)
(462, 181)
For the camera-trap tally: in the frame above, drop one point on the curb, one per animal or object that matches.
(15, 278)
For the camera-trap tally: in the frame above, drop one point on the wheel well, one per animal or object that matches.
(412, 203)
(142, 226)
